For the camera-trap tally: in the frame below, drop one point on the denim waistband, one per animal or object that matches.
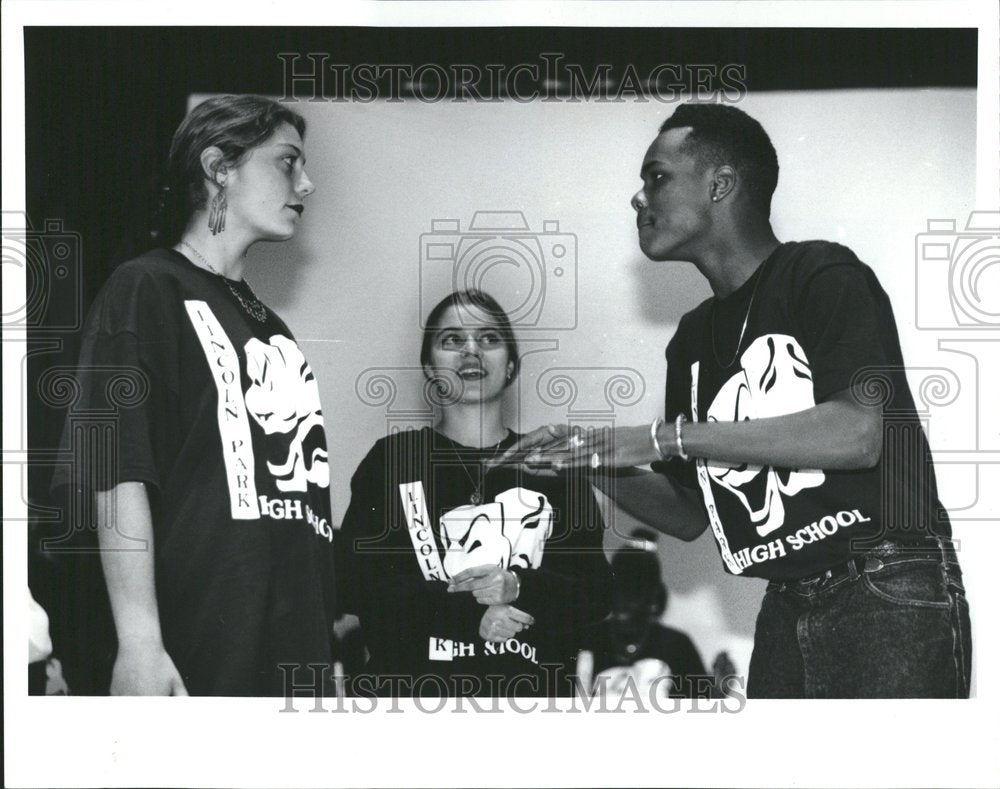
(887, 552)
(940, 548)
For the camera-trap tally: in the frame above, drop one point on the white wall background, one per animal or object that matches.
(865, 168)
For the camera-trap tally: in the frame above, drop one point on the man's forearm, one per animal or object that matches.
(655, 500)
(836, 434)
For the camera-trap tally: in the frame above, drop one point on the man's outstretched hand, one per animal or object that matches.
(561, 447)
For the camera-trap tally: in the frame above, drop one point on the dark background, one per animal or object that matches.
(102, 104)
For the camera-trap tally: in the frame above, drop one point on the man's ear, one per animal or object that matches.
(723, 183)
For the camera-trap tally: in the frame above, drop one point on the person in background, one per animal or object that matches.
(44, 671)
(633, 641)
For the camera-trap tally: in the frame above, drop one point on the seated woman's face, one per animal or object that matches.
(470, 354)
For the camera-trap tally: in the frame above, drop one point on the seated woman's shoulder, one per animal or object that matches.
(399, 441)
(399, 449)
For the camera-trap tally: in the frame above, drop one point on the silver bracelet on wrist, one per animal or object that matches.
(678, 424)
(517, 589)
(653, 430)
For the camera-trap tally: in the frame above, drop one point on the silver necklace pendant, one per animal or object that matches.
(253, 307)
(476, 497)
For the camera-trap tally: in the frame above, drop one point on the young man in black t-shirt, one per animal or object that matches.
(790, 428)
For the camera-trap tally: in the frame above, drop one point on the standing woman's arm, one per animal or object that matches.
(142, 666)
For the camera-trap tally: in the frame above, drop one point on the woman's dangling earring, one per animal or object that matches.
(217, 212)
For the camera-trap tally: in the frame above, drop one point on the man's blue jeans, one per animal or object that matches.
(893, 624)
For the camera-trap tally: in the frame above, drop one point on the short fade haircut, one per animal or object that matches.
(721, 134)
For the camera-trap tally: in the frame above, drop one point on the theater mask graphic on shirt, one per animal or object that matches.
(774, 380)
(283, 398)
(508, 532)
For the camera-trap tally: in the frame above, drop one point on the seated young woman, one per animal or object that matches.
(468, 581)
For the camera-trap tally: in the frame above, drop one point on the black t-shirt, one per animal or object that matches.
(820, 323)
(410, 527)
(674, 653)
(219, 414)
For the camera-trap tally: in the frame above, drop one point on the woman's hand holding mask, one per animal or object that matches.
(490, 584)
(501, 622)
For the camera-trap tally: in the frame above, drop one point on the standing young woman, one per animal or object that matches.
(468, 582)
(214, 523)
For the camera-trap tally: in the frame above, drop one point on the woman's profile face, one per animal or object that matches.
(469, 351)
(265, 192)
